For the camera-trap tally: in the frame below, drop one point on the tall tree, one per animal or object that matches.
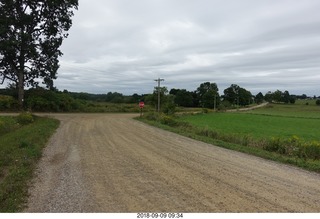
(231, 94)
(152, 99)
(268, 96)
(259, 98)
(208, 95)
(183, 98)
(237, 95)
(286, 97)
(277, 96)
(31, 32)
(245, 97)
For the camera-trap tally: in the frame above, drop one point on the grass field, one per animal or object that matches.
(21, 146)
(302, 108)
(275, 120)
(280, 132)
(258, 125)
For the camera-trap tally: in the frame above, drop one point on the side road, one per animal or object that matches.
(249, 108)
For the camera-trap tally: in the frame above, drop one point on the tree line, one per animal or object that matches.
(207, 96)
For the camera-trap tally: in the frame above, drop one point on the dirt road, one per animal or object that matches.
(112, 163)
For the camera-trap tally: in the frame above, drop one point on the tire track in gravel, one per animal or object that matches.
(112, 163)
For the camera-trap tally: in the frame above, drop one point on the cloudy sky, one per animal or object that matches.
(123, 45)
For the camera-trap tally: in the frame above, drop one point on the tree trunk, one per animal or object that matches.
(20, 89)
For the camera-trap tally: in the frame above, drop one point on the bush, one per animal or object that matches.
(273, 145)
(7, 103)
(294, 147)
(25, 118)
(318, 102)
(209, 133)
(169, 108)
(153, 116)
(168, 120)
(312, 150)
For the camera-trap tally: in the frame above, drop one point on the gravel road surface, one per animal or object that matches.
(112, 163)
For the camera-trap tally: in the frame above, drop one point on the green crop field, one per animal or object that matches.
(260, 125)
(303, 109)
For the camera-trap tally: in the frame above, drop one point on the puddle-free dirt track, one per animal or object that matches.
(112, 163)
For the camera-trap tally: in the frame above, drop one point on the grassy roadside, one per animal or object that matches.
(203, 134)
(21, 147)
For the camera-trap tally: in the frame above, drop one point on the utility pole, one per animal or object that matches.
(159, 80)
(215, 102)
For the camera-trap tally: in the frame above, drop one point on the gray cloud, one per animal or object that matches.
(123, 45)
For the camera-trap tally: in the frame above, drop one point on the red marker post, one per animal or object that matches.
(141, 105)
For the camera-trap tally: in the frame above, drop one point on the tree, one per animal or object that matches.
(135, 98)
(245, 97)
(231, 94)
(292, 99)
(174, 91)
(277, 96)
(259, 98)
(169, 107)
(182, 97)
(152, 99)
(208, 95)
(237, 95)
(31, 33)
(286, 97)
(268, 97)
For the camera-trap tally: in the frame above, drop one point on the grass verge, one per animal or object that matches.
(20, 149)
(188, 130)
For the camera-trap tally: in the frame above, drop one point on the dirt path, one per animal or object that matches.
(112, 163)
(249, 108)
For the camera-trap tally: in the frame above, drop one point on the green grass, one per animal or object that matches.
(8, 124)
(20, 149)
(300, 109)
(258, 125)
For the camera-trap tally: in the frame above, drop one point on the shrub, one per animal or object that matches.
(312, 150)
(7, 103)
(169, 108)
(153, 116)
(272, 145)
(25, 118)
(294, 147)
(207, 132)
(168, 120)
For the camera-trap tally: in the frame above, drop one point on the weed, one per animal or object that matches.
(20, 150)
(25, 118)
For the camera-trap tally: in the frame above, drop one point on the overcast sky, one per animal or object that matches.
(261, 45)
